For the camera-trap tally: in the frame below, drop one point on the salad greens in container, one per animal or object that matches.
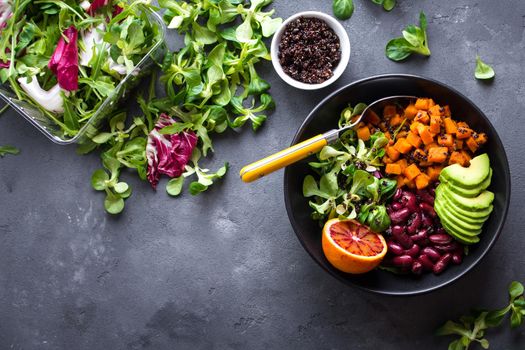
(65, 64)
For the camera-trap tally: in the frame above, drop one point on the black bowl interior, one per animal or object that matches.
(325, 117)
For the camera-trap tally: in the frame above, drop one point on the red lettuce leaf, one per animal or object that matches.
(64, 62)
(168, 154)
(95, 5)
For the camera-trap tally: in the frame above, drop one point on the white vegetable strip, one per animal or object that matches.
(50, 100)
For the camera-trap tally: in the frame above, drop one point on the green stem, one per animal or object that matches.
(3, 109)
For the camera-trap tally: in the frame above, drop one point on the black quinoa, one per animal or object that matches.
(309, 50)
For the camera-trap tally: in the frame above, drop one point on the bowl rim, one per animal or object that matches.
(344, 41)
(497, 139)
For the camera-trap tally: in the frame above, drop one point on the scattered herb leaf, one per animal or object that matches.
(483, 70)
(343, 9)
(414, 40)
(472, 328)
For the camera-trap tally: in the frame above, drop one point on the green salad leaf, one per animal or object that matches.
(343, 185)
(483, 71)
(414, 40)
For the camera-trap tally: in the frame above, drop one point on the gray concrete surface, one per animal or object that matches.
(224, 270)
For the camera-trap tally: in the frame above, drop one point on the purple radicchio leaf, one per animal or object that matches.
(64, 62)
(168, 154)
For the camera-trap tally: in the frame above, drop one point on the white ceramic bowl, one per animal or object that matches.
(344, 44)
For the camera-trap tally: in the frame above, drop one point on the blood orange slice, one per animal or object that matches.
(352, 247)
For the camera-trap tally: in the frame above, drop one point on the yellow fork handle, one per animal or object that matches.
(283, 158)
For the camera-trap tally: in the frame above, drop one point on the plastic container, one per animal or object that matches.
(49, 128)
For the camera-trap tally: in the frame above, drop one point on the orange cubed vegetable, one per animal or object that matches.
(463, 132)
(458, 158)
(393, 169)
(472, 145)
(426, 136)
(450, 126)
(458, 145)
(403, 163)
(400, 181)
(435, 124)
(396, 120)
(363, 133)
(445, 140)
(413, 139)
(481, 138)
(410, 111)
(402, 146)
(419, 155)
(422, 181)
(446, 111)
(411, 172)
(389, 111)
(422, 103)
(433, 172)
(388, 135)
(392, 153)
(422, 117)
(463, 124)
(436, 110)
(410, 184)
(437, 154)
(372, 117)
(414, 127)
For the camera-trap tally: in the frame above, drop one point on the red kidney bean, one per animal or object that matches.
(396, 206)
(409, 200)
(413, 223)
(425, 261)
(431, 253)
(420, 235)
(457, 258)
(427, 208)
(412, 251)
(399, 216)
(426, 197)
(389, 210)
(402, 261)
(402, 238)
(396, 230)
(417, 268)
(442, 263)
(441, 239)
(397, 194)
(447, 248)
(426, 220)
(395, 248)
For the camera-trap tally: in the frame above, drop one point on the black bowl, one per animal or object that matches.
(325, 116)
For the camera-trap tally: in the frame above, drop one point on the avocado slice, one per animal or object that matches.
(459, 234)
(470, 215)
(457, 221)
(467, 177)
(481, 202)
(443, 203)
(469, 192)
